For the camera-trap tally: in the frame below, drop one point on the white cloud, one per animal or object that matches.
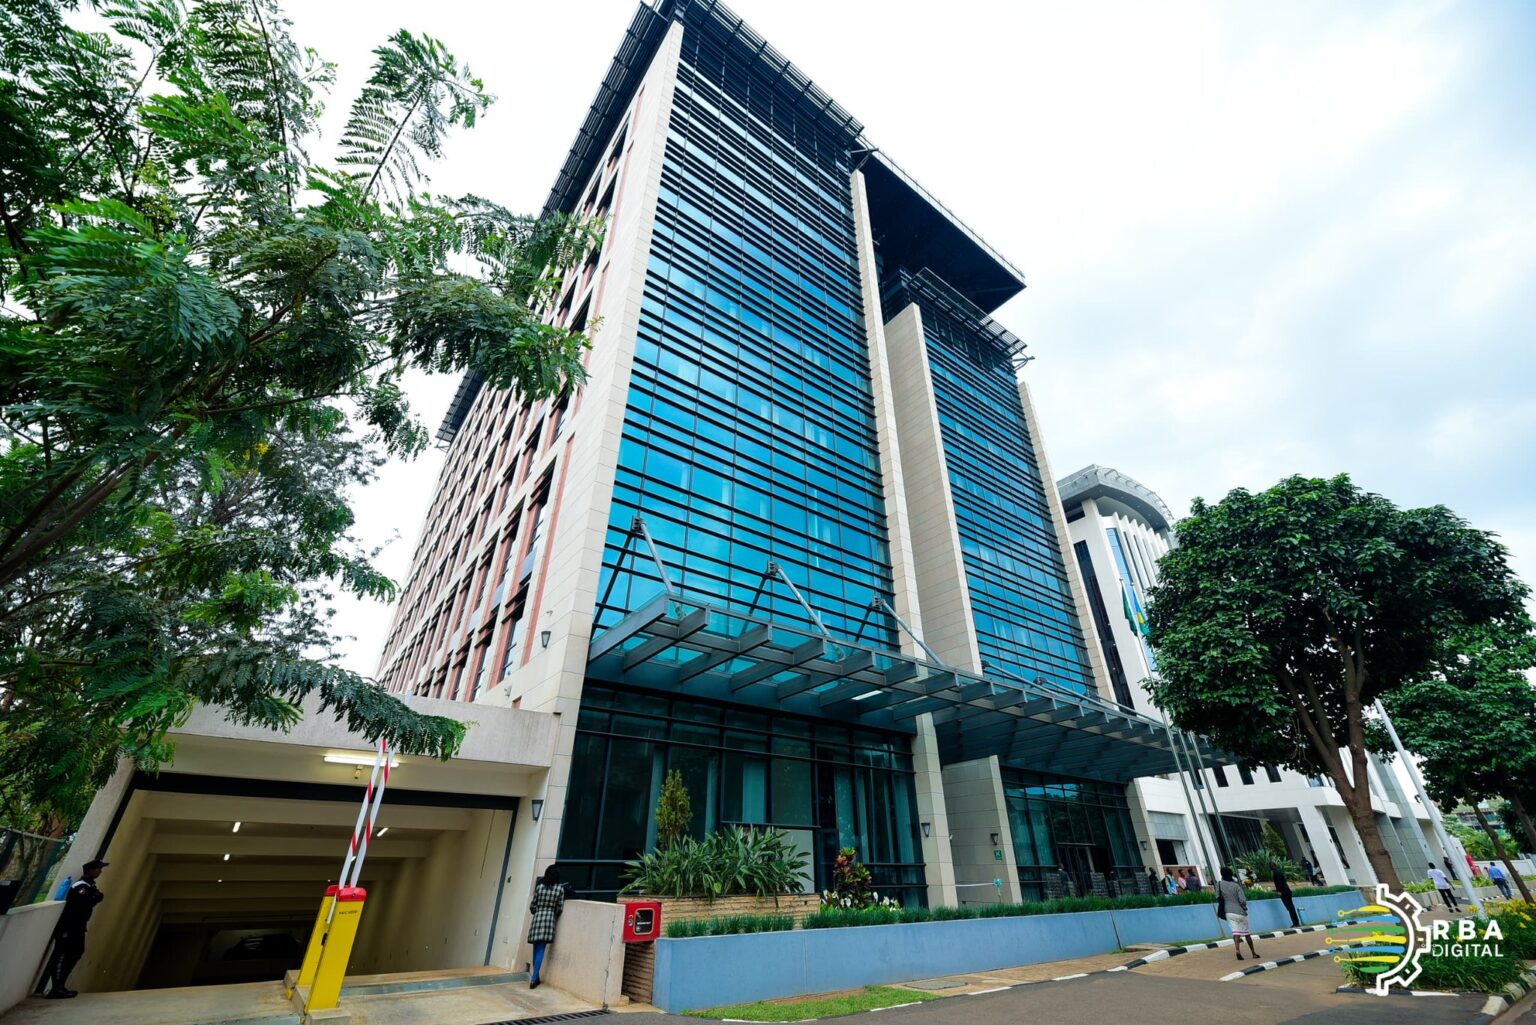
(1260, 238)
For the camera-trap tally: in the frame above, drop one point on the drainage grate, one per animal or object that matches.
(572, 1016)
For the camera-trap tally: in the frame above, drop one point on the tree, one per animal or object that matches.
(1274, 843)
(674, 811)
(202, 342)
(1283, 614)
(1471, 721)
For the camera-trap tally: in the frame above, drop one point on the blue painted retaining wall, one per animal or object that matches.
(709, 971)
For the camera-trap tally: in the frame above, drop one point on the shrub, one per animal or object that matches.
(852, 886)
(1517, 920)
(674, 810)
(1258, 862)
(729, 925)
(1478, 973)
(731, 862)
(831, 917)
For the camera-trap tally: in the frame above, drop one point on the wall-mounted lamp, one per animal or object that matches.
(543, 638)
(1143, 845)
(994, 839)
(361, 760)
(538, 808)
(927, 828)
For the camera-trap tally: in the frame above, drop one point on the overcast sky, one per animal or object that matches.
(1260, 239)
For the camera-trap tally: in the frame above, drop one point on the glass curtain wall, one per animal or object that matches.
(826, 784)
(1078, 825)
(750, 435)
(1026, 623)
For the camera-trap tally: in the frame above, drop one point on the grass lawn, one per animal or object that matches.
(824, 1006)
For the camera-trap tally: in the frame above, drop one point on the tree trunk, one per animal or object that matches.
(1525, 821)
(1498, 848)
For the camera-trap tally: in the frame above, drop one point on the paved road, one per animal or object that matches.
(1139, 999)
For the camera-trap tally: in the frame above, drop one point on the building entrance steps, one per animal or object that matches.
(471, 996)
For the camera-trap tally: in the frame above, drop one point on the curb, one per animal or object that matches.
(1162, 955)
(1495, 1005)
(1506, 998)
(1267, 966)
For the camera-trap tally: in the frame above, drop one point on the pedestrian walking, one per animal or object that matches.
(544, 910)
(1152, 883)
(1443, 884)
(1283, 891)
(1307, 871)
(1183, 880)
(69, 934)
(1065, 878)
(1170, 884)
(1499, 879)
(1232, 905)
(1195, 885)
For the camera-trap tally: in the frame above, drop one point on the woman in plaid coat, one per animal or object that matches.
(545, 908)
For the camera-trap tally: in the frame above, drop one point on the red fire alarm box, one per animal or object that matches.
(642, 921)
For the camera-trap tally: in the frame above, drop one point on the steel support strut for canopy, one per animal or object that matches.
(776, 570)
(638, 529)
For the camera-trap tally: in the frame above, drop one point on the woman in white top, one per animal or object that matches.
(1232, 905)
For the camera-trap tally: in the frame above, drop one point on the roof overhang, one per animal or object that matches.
(689, 647)
(1096, 481)
(914, 230)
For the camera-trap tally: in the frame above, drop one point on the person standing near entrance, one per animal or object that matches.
(1443, 884)
(1152, 881)
(1499, 879)
(546, 907)
(1232, 905)
(69, 935)
(1283, 890)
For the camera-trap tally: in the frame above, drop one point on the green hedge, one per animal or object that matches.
(729, 925)
(834, 918)
(1480, 974)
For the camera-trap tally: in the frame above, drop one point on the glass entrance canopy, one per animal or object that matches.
(677, 644)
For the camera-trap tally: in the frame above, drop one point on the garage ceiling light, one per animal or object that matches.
(358, 758)
(384, 830)
(236, 829)
(226, 857)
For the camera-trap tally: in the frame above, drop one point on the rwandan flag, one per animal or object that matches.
(1133, 611)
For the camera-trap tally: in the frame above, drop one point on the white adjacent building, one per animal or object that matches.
(1119, 529)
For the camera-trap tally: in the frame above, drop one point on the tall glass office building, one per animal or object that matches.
(797, 537)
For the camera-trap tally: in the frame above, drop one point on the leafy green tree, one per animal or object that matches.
(201, 344)
(1274, 843)
(1471, 721)
(1283, 614)
(674, 810)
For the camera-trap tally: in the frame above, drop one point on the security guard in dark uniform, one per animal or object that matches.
(69, 934)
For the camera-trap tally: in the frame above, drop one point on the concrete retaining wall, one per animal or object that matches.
(24, 935)
(587, 958)
(710, 971)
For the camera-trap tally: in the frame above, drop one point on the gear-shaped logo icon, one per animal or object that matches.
(1384, 940)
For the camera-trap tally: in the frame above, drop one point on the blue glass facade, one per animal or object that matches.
(749, 434)
(1026, 622)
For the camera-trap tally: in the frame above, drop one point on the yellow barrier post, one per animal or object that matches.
(306, 976)
(326, 991)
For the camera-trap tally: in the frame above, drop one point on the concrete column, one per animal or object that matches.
(1068, 557)
(973, 792)
(1314, 825)
(1141, 822)
(938, 860)
(1354, 851)
(948, 624)
(898, 524)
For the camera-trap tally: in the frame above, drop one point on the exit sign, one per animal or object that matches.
(997, 855)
